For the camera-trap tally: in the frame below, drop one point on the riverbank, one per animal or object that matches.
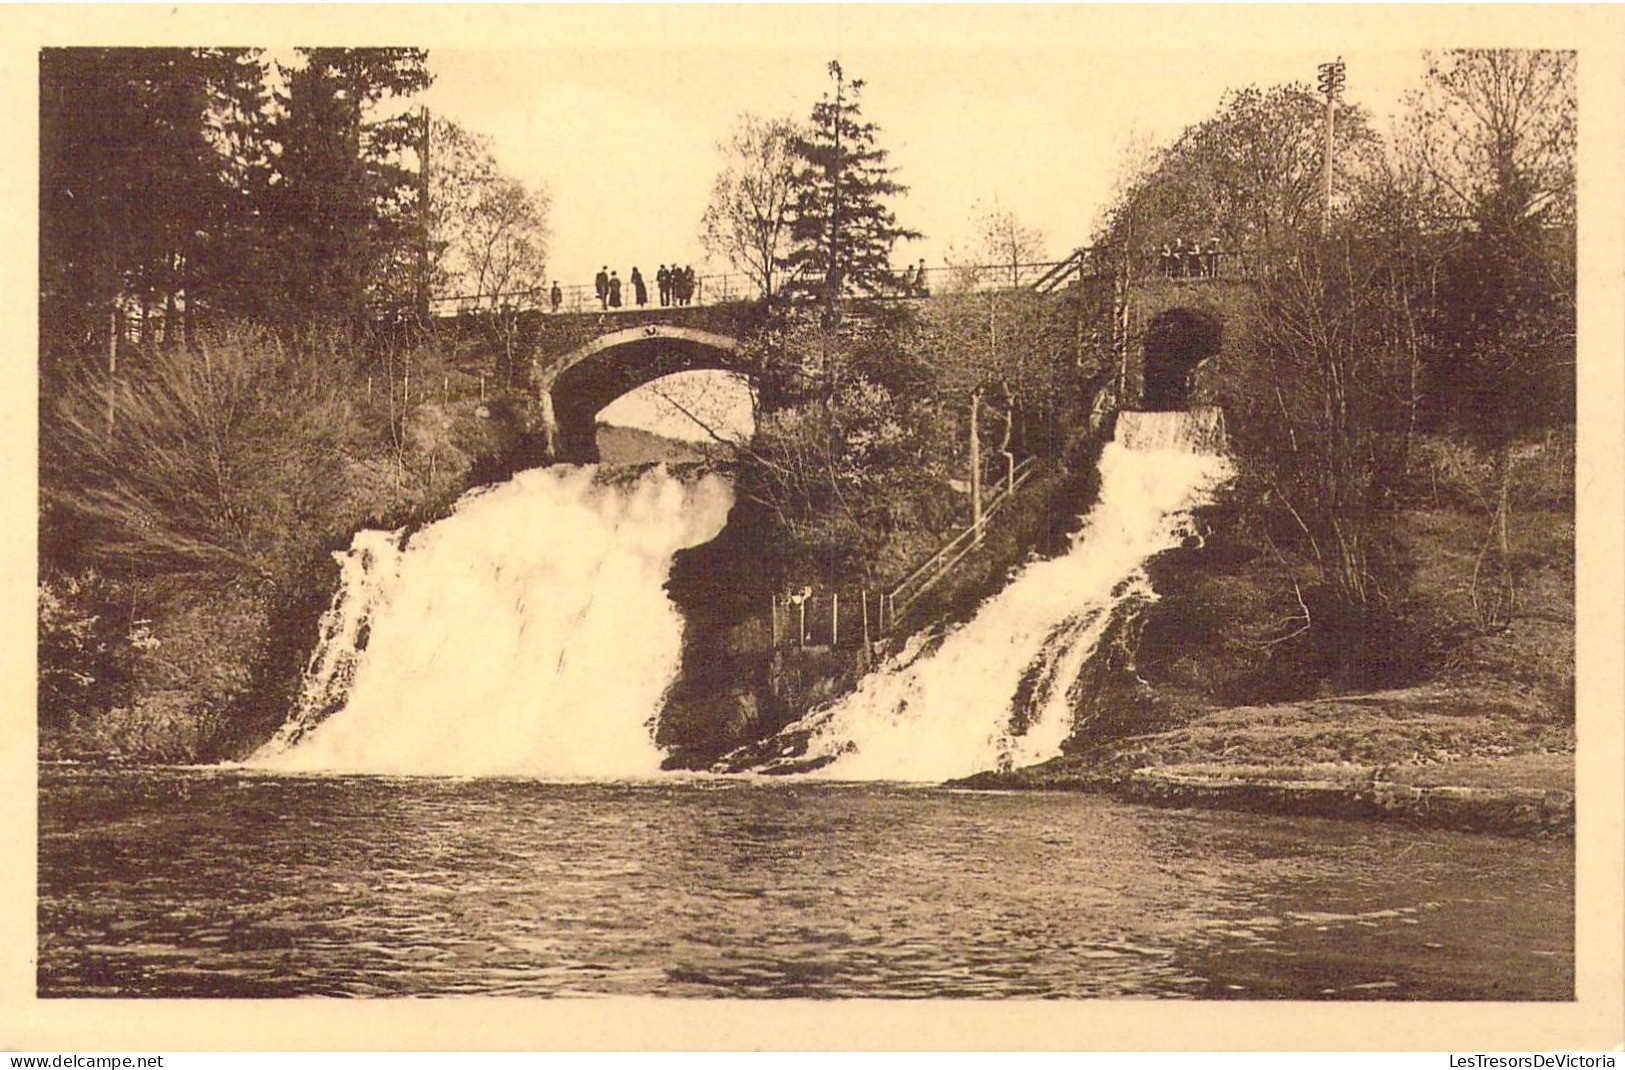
(1469, 758)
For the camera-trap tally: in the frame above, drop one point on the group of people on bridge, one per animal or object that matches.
(1194, 261)
(676, 286)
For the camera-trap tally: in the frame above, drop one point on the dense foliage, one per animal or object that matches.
(181, 188)
(1434, 295)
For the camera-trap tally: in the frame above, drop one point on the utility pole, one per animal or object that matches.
(976, 464)
(1331, 85)
(423, 222)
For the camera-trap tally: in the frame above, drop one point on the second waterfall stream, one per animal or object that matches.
(530, 633)
(999, 690)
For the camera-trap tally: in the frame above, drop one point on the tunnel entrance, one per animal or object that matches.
(581, 385)
(1176, 343)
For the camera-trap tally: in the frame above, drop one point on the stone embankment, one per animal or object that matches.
(1360, 794)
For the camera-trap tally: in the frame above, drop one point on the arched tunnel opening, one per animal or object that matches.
(593, 381)
(1176, 343)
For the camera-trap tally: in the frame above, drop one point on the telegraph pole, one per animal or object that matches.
(1331, 85)
(976, 464)
(423, 222)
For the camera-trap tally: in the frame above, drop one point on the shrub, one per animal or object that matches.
(86, 646)
(206, 462)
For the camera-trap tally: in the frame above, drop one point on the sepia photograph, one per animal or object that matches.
(756, 508)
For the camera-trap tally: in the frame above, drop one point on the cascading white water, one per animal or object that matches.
(952, 711)
(529, 632)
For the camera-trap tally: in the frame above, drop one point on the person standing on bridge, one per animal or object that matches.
(601, 284)
(614, 289)
(663, 281)
(557, 296)
(640, 292)
(1193, 259)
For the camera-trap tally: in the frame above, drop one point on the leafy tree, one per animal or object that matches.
(747, 219)
(1495, 132)
(1251, 176)
(841, 230)
(85, 648)
(347, 202)
(852, 476)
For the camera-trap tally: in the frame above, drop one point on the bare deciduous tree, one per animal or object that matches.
(746, 220)
(1009, 244)
(1497, 133)
(488, 234)
(489, 230)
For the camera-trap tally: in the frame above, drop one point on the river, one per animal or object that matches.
(235, 883)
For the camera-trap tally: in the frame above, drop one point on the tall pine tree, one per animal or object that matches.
(347, 200)
(841, 230)
(135, 193)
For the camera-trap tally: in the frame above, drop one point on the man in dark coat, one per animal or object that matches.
(601, 284)
(663, 281)
(557, 296)
(614, 289)
(640, 292)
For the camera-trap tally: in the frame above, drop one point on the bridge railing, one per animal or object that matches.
(717, 288)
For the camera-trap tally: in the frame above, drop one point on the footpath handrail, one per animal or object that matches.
(956, 549)
(1052, 278)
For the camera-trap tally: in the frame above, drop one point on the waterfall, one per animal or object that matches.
(529, 632)
(999, 690)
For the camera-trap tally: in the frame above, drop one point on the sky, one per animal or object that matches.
(624, 139)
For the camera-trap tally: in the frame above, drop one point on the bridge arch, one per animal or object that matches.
(573, 389)
(1177, 342)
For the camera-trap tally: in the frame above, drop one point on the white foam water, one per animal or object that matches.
(527, 633)
(954, 711)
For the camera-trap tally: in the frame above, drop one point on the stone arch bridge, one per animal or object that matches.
(1174, 341)
(573, 388)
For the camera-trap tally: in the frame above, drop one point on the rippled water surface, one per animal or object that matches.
(202, 883)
